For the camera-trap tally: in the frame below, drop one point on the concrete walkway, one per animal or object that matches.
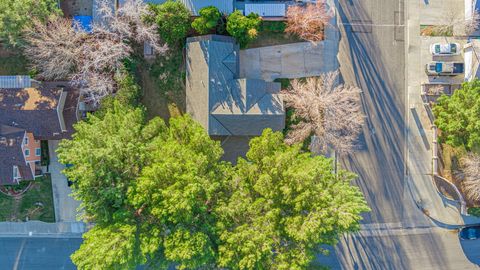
(65, 205)
(37, 228)
(419, 128)
(296, 60)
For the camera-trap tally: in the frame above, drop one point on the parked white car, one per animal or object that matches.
(445, 49)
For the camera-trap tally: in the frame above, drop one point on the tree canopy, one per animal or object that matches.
(457, 116)
(160, 194)
(243, 28)
(173, 20)
(284, 203)
(207, 21)
(107, 153)
(17, 15)
(150, 189)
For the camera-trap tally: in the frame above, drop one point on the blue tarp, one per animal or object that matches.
(84, 22)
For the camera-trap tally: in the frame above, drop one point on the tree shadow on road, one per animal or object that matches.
(380, 159)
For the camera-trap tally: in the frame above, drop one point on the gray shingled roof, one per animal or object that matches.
(223, 103)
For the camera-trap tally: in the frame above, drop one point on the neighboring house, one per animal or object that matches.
(471, 7)
(472, 59)
(230, 108)
(29, 114)
(266, 8)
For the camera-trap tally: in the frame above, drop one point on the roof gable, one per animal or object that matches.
(235, 106)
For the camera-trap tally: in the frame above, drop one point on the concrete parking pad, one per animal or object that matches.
(271, 61)
(297, 60)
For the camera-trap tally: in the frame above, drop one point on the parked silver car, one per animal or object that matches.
(445, 49)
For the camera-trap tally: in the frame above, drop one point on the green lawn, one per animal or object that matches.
(12, 63)
(163, 84)
(36, 203)
(272, 33)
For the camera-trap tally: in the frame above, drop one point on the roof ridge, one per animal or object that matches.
(218, 121)
(226, 60)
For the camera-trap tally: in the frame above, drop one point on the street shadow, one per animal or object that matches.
(380, 159)
(421, 130)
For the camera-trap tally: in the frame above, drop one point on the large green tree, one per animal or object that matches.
(107, 153)
(179, 190)
(284, 204)
(108, 248)
(150, 189)
(208, 20)
(243, 28)
(173, 20)
(458, 116)
(161, 195)
(17, 15)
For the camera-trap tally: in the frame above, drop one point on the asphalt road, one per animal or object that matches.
(396, 234)
(37, 253)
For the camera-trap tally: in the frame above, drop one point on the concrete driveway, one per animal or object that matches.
(65, 205)
(295, 60)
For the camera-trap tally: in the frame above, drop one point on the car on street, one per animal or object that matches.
(470, 233)
(444, 68)
(445, 49)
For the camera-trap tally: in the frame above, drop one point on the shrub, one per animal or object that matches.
(173, 20)
(474, 211)
(44, 154)
(17, 15)
(457, 117)
(128, 93)
(209, 18)
(243, 28)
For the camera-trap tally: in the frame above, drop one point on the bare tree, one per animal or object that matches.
(128, 23)
(471, 181)
(60, 51)
(53, 48)
(456, 23)
(327, 110)
(308, 22)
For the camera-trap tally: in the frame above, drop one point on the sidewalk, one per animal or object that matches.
(37, 228)
(419, 129)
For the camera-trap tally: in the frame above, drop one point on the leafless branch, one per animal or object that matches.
(60, 51)
(454, 22)
(53, 48)
(308, 22)
(471, 181)
(331, 112)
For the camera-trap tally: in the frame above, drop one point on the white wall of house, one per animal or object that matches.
(469, 4)
(468, 58)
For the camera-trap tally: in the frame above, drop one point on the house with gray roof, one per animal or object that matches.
(267, 8)
(230, 108)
